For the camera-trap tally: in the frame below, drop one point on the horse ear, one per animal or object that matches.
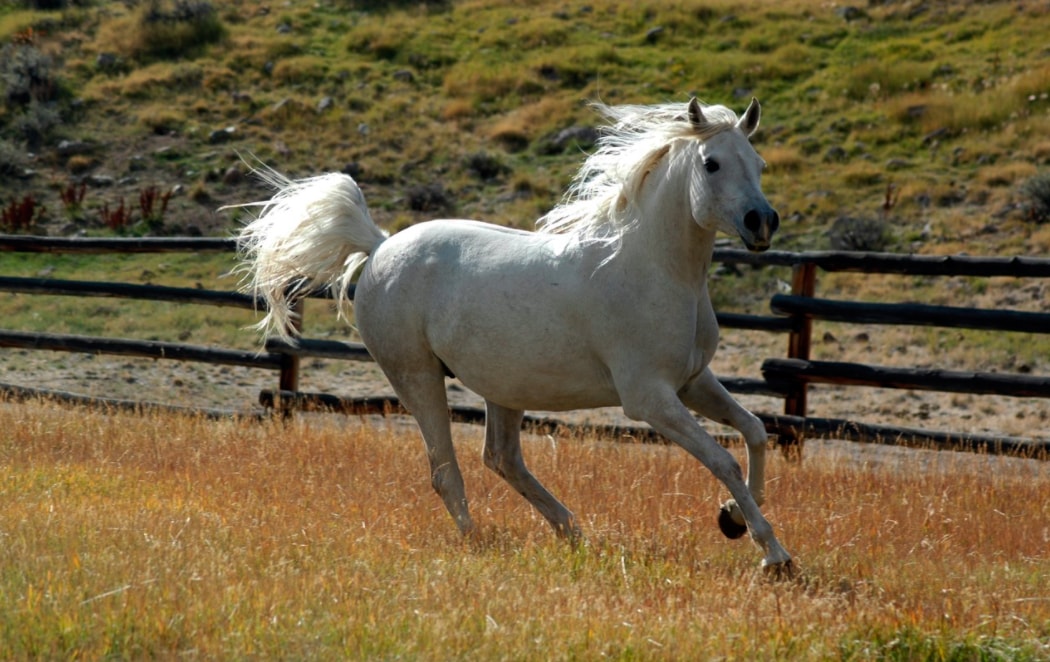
(696, 115)
(749, 122)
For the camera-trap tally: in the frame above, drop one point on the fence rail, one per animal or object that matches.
(786, 378)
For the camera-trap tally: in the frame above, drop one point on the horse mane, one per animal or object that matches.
(597, 203)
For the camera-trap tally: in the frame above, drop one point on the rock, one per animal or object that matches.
(324, 104)
(220, 136)
(580, 136)
(836, 154)
(404, 75)
(352, 169)
(850, 14)
(898, 164)
(232, 176)
(68, 148)
(99, 181)
(916, 111)
(653, 35)
(934, 136)
(107, 62)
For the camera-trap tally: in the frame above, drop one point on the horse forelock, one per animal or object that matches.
(597, 204)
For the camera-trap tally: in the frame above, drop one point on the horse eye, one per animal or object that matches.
(711, 165)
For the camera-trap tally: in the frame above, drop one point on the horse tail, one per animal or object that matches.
(313, 233)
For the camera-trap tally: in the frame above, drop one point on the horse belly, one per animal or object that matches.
(524, 348)
(521, 376)
(496, 312)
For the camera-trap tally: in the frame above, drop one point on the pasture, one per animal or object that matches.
(320, 537)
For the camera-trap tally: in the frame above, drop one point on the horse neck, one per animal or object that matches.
(665, 233)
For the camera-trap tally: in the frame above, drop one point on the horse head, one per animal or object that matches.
(725, 191)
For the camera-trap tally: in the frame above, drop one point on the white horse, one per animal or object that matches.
(606, 305)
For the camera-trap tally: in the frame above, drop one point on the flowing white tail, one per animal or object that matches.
(313, 233)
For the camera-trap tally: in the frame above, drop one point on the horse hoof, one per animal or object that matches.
(730, 529)
(783, 571)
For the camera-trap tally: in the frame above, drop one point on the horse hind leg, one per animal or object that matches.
(503, 455)
(423, 394)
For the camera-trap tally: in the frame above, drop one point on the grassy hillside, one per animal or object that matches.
(917, 126)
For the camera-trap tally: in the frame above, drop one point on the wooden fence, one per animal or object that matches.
(788, 378)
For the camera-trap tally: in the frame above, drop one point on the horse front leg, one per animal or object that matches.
(707, 397)
(659, 406)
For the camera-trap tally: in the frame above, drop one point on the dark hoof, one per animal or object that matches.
(730, 529)
(784, 571)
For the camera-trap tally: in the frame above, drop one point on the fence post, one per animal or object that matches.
(803, 283)
(289, 377)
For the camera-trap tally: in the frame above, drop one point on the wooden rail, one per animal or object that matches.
(786, 378)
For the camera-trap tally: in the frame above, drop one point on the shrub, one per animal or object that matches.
(26, 75)
(12, 159)
(1035, 198)
(36, 121)
(486, 166)
(165, 30)
(428, 197)
(850, 233)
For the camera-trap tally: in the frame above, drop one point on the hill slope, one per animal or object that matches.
(932, 116)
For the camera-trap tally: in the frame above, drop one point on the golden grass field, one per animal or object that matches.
(161, 536)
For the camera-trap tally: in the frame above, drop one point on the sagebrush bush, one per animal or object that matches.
(26, 75)
(36, 122)
(1035, 198)
(850, 233)
(12, 158)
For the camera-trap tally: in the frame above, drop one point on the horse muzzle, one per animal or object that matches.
(759, 228)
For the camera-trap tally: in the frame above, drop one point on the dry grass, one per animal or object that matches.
(163, 537)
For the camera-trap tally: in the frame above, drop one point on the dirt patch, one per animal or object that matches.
(234, 388)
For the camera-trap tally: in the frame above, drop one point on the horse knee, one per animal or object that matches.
(445, 479)
(725, 467)
(490, 458)
(754, 431)
(495, 462)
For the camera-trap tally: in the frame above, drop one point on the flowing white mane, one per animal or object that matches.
(629, 148)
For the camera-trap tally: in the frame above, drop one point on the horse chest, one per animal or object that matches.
(689, 344)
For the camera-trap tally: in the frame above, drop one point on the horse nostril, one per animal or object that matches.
(774, 222)
(752, 221)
